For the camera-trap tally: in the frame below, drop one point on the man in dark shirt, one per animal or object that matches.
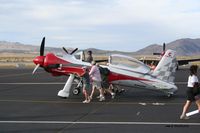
(89, 58)
(86, 84)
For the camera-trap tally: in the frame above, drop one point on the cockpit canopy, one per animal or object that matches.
(128, 63)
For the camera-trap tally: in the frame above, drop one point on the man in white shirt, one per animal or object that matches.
(192, 94)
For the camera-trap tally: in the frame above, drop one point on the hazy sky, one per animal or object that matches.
(126, 25)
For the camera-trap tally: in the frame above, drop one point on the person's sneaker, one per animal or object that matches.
(102, 98)
(184, 117)
(113, 95)
(85, 101)
(90, 97)
(98, 96)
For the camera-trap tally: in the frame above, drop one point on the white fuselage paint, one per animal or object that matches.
(149, 82)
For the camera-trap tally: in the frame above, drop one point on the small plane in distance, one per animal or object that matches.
(124, 71)
(180, 62)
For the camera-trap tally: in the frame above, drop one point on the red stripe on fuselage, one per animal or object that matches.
(116, 76)
(67, 70)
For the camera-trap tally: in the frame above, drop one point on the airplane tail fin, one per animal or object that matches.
(166, 68)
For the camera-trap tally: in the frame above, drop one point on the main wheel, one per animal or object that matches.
(169, 95)
(76, 91)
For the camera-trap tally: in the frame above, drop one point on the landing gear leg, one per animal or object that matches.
(64, 93)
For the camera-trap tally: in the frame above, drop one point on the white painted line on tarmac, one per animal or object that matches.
(74, 102)
(29, 83)
(180, 83)
(158, 104)
(143, 104)
(14, 75)
(98, 123)
(51, 83)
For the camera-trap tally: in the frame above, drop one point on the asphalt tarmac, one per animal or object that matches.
(29, 103)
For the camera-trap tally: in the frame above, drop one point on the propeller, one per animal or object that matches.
(71, 52)
(163, 52)
(42, 47)
(163, 47)
(65, 50)
(48, 61)
(37, 66)
(40, 59)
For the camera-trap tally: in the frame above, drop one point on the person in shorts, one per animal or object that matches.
(107, 87)
(96, 81)
(86, 84)
(192, 93)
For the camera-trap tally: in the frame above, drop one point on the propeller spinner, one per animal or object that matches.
(48, 61)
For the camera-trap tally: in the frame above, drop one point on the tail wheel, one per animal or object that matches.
(117, 89)
(169, 95)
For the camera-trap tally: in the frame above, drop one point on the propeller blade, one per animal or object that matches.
(65, 50)
(35, 68)
(73, 51)
(163, 47)
(42, 47)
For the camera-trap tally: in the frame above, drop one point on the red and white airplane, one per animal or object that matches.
(124, 71)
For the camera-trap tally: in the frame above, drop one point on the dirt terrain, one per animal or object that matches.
(25, 60)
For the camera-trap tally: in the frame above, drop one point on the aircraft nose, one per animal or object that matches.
(39, 60)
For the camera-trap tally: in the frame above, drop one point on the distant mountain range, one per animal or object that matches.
(16, 47)
(183, 47)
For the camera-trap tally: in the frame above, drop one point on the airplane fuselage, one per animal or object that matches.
(121, 77)
(124, 70)
(139, 80)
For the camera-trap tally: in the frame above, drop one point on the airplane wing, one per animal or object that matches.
(150, 61)
(185, 62)
(180, 62)
(98, 61)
